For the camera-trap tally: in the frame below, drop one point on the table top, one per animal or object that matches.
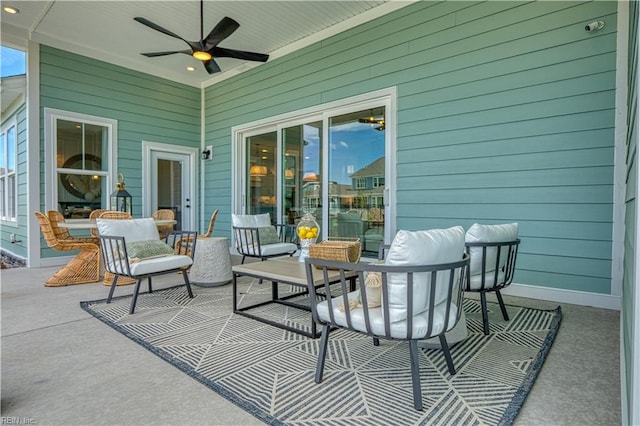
(91, 223)
(286, 271)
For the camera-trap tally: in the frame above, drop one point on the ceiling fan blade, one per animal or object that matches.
(154, 54)
(157, 27)
(222, 30)
(221, 52)
(211, 66)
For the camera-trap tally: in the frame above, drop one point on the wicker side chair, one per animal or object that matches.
(212, 222)
(113, 214)
(61, 233)
(164, 214)
(93, 216)
(83, 268)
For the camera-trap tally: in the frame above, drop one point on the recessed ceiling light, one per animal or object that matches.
(191, 68)
(10, 9)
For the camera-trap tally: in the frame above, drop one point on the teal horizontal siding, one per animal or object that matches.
(146, 107)
(505, 114)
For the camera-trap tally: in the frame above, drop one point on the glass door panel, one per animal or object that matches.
(300, 171)
(357, 177)
(261, 183)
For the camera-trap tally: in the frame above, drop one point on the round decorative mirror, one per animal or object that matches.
(86, 187)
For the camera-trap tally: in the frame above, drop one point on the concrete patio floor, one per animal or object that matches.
(61, 366)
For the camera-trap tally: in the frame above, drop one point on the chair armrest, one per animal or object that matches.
(287, 233)
(184, 242)
(114, 254)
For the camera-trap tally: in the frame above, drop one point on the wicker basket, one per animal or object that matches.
(338, 250)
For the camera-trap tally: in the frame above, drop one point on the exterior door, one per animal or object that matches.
(170, 183)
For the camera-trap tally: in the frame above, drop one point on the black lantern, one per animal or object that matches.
(120, 198)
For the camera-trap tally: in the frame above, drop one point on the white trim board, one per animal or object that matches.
(583, 298)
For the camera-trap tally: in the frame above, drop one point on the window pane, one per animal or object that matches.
(11, 150)
(11, 197)
(356, 160)
(3, 154)
(302, 163)
(79, 194)
(3, 205)
(261, 164)
(80, 145)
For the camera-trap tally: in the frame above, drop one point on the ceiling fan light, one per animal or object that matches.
(201, 56)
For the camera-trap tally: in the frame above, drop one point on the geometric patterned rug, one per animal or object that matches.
(269, 372)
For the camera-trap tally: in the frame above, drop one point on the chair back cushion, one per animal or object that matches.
(489, 234)
(251, 220)
(421, 248)
(131, 229)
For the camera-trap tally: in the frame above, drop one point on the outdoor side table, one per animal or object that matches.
(211, 263)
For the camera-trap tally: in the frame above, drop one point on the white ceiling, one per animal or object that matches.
(105, 30)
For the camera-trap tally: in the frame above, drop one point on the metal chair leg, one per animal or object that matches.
(322, 352)
(485, 314)
(134, 299)
(447, 354)
(503, 308)
(149, 285)
(376, 341)
(415, 375)
(113, 287)
(187, 283)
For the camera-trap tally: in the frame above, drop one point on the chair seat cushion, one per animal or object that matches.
(251, 220)
(270, 249)
(398, 328)
(158, 264)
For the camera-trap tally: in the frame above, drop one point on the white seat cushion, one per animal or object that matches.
(155, 264)
(398, 328)
(270, 249)
(475, 281)
(131, 229)
(489, 234)
(430, 247)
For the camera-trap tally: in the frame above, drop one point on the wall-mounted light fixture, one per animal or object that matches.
(207, 154)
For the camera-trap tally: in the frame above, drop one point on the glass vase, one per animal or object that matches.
(307, 231)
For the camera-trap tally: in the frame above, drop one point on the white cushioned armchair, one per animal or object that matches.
(255, 236)
(415, 294)
(132, 248)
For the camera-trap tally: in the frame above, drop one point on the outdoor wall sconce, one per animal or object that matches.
(207, 154)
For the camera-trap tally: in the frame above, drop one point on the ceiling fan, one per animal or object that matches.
(207, 48)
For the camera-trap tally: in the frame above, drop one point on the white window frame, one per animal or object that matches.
(361, 183)
(386, 98)
(376, 182)
(5, 177)
(51, 117)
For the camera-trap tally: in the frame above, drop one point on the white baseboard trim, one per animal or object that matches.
(605, 301)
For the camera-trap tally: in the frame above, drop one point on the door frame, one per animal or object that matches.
(193, 154)
(386, 97)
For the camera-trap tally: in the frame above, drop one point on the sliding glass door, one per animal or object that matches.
(331, 164)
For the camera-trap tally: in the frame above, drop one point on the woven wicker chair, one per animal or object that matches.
(212, 222)
(55, 217)
(164, 214)
(113, 214)
(93, 216)
(83, 268)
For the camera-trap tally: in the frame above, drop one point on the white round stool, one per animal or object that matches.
(212, 263)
